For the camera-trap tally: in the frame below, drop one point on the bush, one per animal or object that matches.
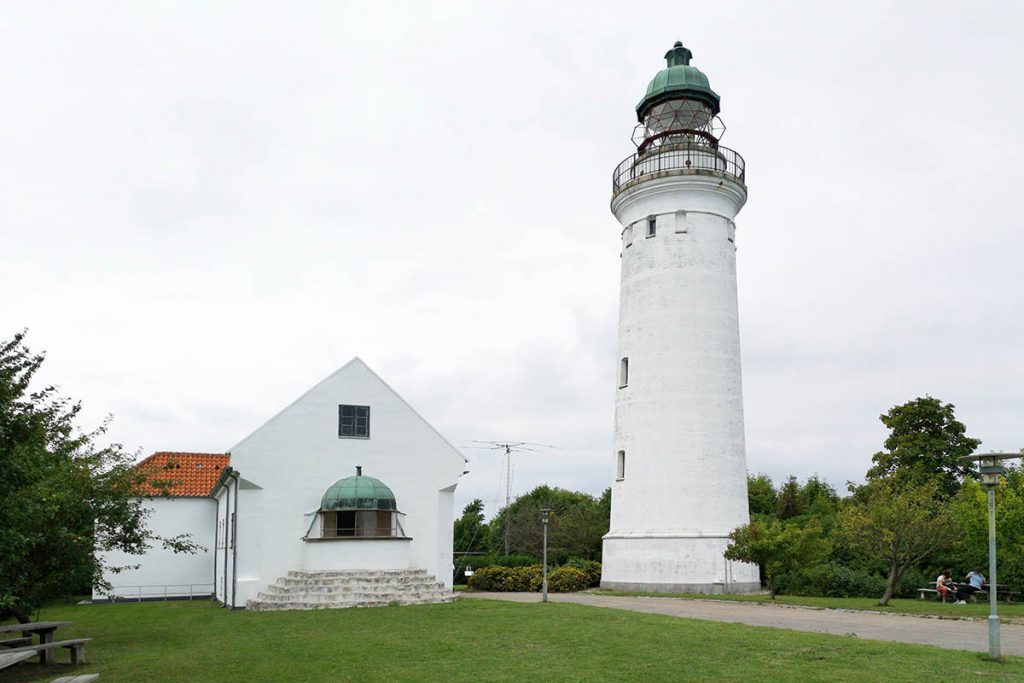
(567, 580)
(482, 561)
(528, 578)
(591, 569)
(505, 579)
(831, 581)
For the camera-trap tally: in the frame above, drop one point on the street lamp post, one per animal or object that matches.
(544, 512)
(990, 468)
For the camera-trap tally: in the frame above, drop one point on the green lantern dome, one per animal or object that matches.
(676, 81)
(358, 493)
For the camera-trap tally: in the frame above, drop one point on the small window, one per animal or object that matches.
(620, 465)
(354, 421)
(623, 372)
(627, 235)
(652, 226)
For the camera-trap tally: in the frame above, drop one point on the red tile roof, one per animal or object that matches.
(189, 474)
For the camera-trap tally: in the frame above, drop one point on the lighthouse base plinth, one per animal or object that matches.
(668, 563)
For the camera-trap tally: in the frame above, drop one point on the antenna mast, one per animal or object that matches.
(509, 448)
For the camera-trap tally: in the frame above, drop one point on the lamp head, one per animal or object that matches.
(990, 466)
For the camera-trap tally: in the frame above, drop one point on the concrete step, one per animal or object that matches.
(334, 589)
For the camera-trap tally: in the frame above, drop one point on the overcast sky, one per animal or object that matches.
(208, 207)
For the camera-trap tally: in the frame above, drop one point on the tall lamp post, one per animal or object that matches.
(544, 512)
(990, 468)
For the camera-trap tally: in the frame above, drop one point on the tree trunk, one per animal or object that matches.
(890, 585)
(771, 587)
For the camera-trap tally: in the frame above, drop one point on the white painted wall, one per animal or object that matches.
(162, 572)
(296, 456)
(680, 418)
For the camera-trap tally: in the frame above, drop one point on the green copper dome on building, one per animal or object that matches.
(676, 81)
(358, 493)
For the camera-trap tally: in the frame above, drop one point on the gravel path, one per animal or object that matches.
(954, 634)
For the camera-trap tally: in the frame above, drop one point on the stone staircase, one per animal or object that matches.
(350, 588)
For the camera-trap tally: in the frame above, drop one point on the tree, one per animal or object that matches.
(970, 547)
(925, 441)
(789, 503)
(896, 525)
(64, 497)
(470, 530)
(761, 495)
(777, 547)
(577, 523)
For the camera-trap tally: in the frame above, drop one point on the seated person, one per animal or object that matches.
(975, 582)
(944, 584)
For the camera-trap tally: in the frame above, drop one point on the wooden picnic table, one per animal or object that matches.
(44, 629)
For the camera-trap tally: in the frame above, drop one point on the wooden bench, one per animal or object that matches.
(76, 645)
(16, 642)
(10, 659)
(81, 678)
(922, 593)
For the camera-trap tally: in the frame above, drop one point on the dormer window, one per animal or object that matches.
(354, 421)
(357, 508)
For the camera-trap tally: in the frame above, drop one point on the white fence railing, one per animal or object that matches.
(179, 591)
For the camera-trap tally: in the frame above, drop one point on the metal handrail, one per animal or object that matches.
(678, 160)
(120, 593)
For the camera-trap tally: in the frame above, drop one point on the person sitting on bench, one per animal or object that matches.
(975, 582)
(945, 585)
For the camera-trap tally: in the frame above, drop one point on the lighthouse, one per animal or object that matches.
(679, 484)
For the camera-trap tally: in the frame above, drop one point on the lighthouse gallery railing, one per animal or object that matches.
(682, 159)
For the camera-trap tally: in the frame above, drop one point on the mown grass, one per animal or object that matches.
(1010, 613)
(475, 640)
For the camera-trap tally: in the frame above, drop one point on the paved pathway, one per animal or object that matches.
(954, 634)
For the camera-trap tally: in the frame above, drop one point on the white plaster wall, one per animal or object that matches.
(163, 572)
(680, 418)
(446, 536)
(355, 554)
(297, 455)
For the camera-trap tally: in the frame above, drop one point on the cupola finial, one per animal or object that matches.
(359, 470)
(678, 55)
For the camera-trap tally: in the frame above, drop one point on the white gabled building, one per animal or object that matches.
(347, 479)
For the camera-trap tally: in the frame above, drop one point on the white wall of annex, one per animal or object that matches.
(163, 572)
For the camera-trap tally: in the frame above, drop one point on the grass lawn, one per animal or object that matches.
(474, 640)
(1012, 613)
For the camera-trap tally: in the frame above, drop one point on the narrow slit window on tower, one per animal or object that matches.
(652, 226)
(354, 421)
(623, 372)
(620, 465)
(627, 235)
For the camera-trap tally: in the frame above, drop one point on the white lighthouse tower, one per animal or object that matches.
(680, 479)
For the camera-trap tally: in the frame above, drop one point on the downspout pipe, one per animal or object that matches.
(227, 531)
(234, 542)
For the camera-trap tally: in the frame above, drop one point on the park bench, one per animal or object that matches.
(922, 593)
(81, 678)
(10, 659)
(16, 642)
(75, 645)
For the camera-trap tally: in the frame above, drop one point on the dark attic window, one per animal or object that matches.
(354, 421)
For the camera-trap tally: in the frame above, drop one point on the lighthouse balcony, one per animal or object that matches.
(681, 159)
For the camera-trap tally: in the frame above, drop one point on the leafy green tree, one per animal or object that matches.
(970, 548)
(897, 526)
(470, 530)
(789, 503)
(761, 496)
(777, 547)
(577, 523)
(925, 442)
(64, 497)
